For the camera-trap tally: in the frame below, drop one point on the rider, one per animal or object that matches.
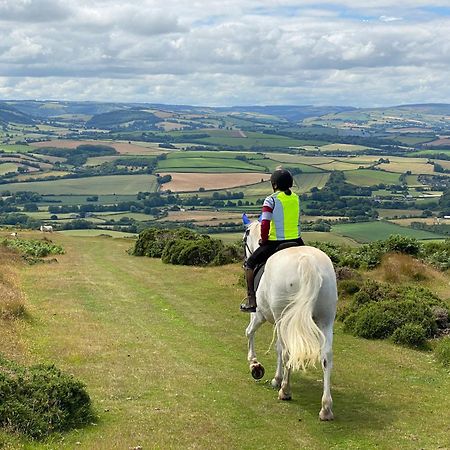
(280, 223)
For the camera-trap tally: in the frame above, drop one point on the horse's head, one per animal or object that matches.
(251, 235)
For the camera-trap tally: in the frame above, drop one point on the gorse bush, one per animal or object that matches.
(185, 247)
(410, 335)
(40, 400)
(378, 310)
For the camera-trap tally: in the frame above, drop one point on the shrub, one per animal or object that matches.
(377, 310)
(349, 287)
(33, 247)
(442, 351)
(410, 335)
(185, 247)
(41, 399)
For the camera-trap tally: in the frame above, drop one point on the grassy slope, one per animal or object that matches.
(162, 351)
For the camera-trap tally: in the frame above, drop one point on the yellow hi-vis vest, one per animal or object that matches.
(285, 223)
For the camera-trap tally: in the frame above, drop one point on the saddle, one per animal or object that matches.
(259, 269)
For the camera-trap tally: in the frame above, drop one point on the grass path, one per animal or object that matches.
(162, 351)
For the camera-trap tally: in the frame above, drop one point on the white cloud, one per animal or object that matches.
(216, 52)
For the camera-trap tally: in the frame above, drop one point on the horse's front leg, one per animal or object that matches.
(326, 412)
(256, 368)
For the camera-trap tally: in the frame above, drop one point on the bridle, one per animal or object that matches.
(246, 247)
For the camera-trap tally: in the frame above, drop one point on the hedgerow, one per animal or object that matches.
(185, 247)
(40, 400)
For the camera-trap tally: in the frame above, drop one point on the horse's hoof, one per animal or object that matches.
(276, 384)
(257, 371)
(283, 396)
(326, 414)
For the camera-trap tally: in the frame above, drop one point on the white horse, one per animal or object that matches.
(298, 294)
(46, 228)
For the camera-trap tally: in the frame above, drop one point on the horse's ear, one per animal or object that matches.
(245, 220)
(260, 218)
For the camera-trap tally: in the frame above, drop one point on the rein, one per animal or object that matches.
(246, 247)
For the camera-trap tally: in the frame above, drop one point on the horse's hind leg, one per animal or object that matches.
(282, 368)
(326, 412)
(256, 368)
(276, 381)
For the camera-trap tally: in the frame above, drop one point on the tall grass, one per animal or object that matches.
(11, 297)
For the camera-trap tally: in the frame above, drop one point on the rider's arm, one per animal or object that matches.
(267, 211)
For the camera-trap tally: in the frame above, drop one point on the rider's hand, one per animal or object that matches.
(261, 242)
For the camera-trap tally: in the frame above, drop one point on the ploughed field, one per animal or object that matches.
(163, 353)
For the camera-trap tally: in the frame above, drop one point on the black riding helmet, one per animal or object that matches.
(282, 179)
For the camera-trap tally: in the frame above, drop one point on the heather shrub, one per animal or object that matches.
(40, 400)
(410, 335)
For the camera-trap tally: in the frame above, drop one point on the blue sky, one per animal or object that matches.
(215, 52)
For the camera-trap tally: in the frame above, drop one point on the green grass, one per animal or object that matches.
(118, 184)
(163, 353)
(373, 231)
(368, 177)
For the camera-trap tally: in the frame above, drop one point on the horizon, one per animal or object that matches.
(266, 52)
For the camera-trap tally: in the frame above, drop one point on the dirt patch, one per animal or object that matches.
(192, 182)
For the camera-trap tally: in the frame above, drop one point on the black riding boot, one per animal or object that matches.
(250, 304)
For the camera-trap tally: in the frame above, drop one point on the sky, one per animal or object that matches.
(227, 52)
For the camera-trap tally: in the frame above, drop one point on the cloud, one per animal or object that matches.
(224, 53)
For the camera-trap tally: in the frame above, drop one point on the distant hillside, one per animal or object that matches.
(291, 113)
(51, 109)
(9, 114)
(130, 119)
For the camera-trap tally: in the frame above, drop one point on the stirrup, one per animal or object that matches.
(245, 307)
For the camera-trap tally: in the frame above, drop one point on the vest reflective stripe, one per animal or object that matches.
(285, 223)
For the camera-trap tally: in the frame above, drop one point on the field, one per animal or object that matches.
(121, 147)
(367, 177)
(373, 231)
(186, 182)
(162, 351)
(8, 167)
(118, 184)
(402, 165)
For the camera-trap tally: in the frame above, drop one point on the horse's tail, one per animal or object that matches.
(300, 335)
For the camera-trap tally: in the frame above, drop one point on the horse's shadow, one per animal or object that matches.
(353, 408)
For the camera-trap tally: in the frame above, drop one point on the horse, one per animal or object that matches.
(297, 293)
(46, 228)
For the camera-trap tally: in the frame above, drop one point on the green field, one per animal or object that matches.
(255, 140)
(8, 167)
(207, 164)
(162, 352)
(16, 148)
(368, 177)
(373, 231)
(118, 184)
